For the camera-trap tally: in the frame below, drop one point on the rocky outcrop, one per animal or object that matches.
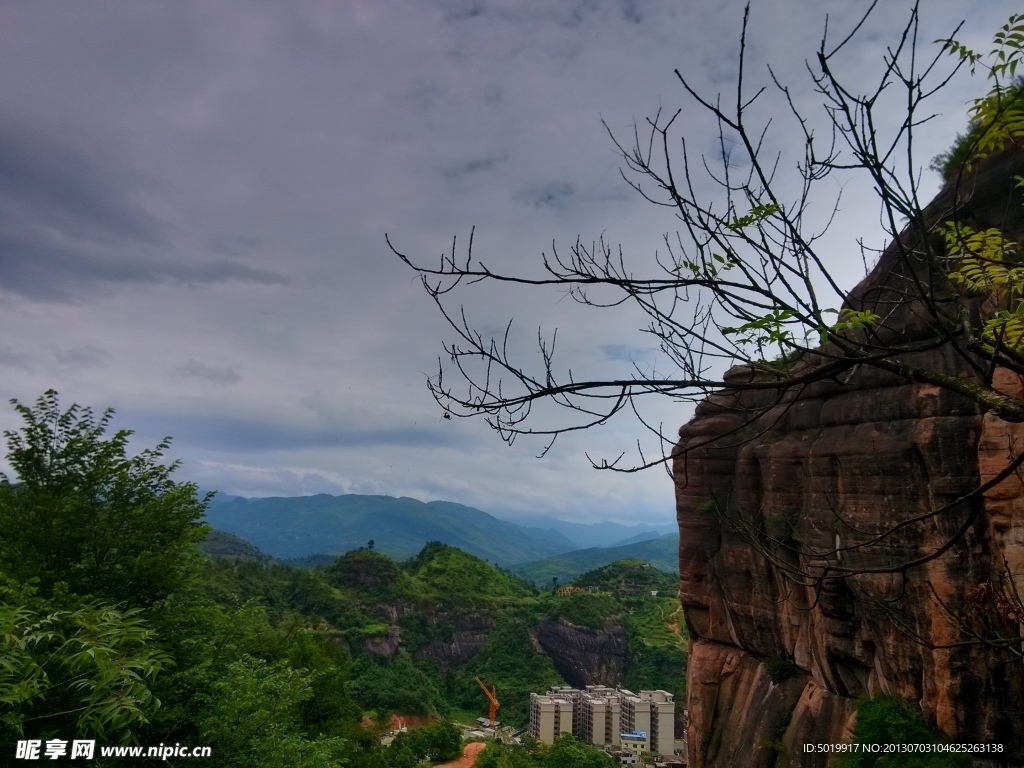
(825, 469)
(451, 639)
(384, 645)
(468, 633)
(583, 655)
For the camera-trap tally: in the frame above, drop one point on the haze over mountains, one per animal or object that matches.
(299, 527)
(661, 552)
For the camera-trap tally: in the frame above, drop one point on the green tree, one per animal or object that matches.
(68, 667)
(254, 718)
(399, 686)
(83, 511)
(568, 752)
(887, 720)
(504, 756)
(438, 742)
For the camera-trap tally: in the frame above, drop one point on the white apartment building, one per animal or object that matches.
(596, 716)
(652, 713)
(550, 715)
(606, 717)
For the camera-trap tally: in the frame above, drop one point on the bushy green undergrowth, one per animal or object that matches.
(960, 153)
(453, 579)
(887, 720)
(566, 752)
(629, 576)
(587, 609)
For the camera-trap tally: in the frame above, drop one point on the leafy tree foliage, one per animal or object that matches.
(400, 686)
(887, 720)
(84, 512)
(629, 576)
(439, 742)
(566, 752)
(254, 718)
(587, 609)
(73, 667)
(372, 577)
(453, 578)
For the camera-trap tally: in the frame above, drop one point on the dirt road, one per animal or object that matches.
(468, 759)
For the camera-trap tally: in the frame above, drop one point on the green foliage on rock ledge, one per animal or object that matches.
(887, 720)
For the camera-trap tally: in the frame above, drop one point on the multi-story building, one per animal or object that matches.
(596, 715)
(606, 717)
(651, 713)
(550, 715)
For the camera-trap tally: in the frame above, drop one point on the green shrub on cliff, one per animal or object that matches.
(966, 145)
(399, 686)
(371, 577)
(587, 609)
(888, 721)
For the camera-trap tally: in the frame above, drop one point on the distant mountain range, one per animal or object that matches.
(297, 527)
(604, 534)
(662, 553)
(305, 526)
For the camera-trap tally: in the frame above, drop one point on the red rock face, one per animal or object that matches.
(777, 660)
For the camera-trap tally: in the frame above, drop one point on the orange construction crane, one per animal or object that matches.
(492, 695)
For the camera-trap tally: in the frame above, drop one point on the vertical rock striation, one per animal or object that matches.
(777, 661)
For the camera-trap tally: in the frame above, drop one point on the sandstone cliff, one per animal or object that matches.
(775, 662)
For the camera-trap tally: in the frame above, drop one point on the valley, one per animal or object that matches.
(312, 531)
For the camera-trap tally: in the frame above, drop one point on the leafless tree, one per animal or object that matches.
(743, 285)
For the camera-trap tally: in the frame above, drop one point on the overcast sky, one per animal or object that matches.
(194, 198)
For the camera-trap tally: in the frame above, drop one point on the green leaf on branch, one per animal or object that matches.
(757, 214)
(771, 329)
(983, 260)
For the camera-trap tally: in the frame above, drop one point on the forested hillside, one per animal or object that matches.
(115, 626)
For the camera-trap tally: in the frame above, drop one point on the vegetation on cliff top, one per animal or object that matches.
(888, 721)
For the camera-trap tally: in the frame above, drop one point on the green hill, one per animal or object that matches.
(661, 553)
(220, 544)
(414, 635)
(630, 576)
(298, 527)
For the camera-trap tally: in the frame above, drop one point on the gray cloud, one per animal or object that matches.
(82, 357)
(474, 166)
(193, 199)
(558, 195)
(39, 266)
(624, 352)
(51, 184)
(251, 434)
(210, 374)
